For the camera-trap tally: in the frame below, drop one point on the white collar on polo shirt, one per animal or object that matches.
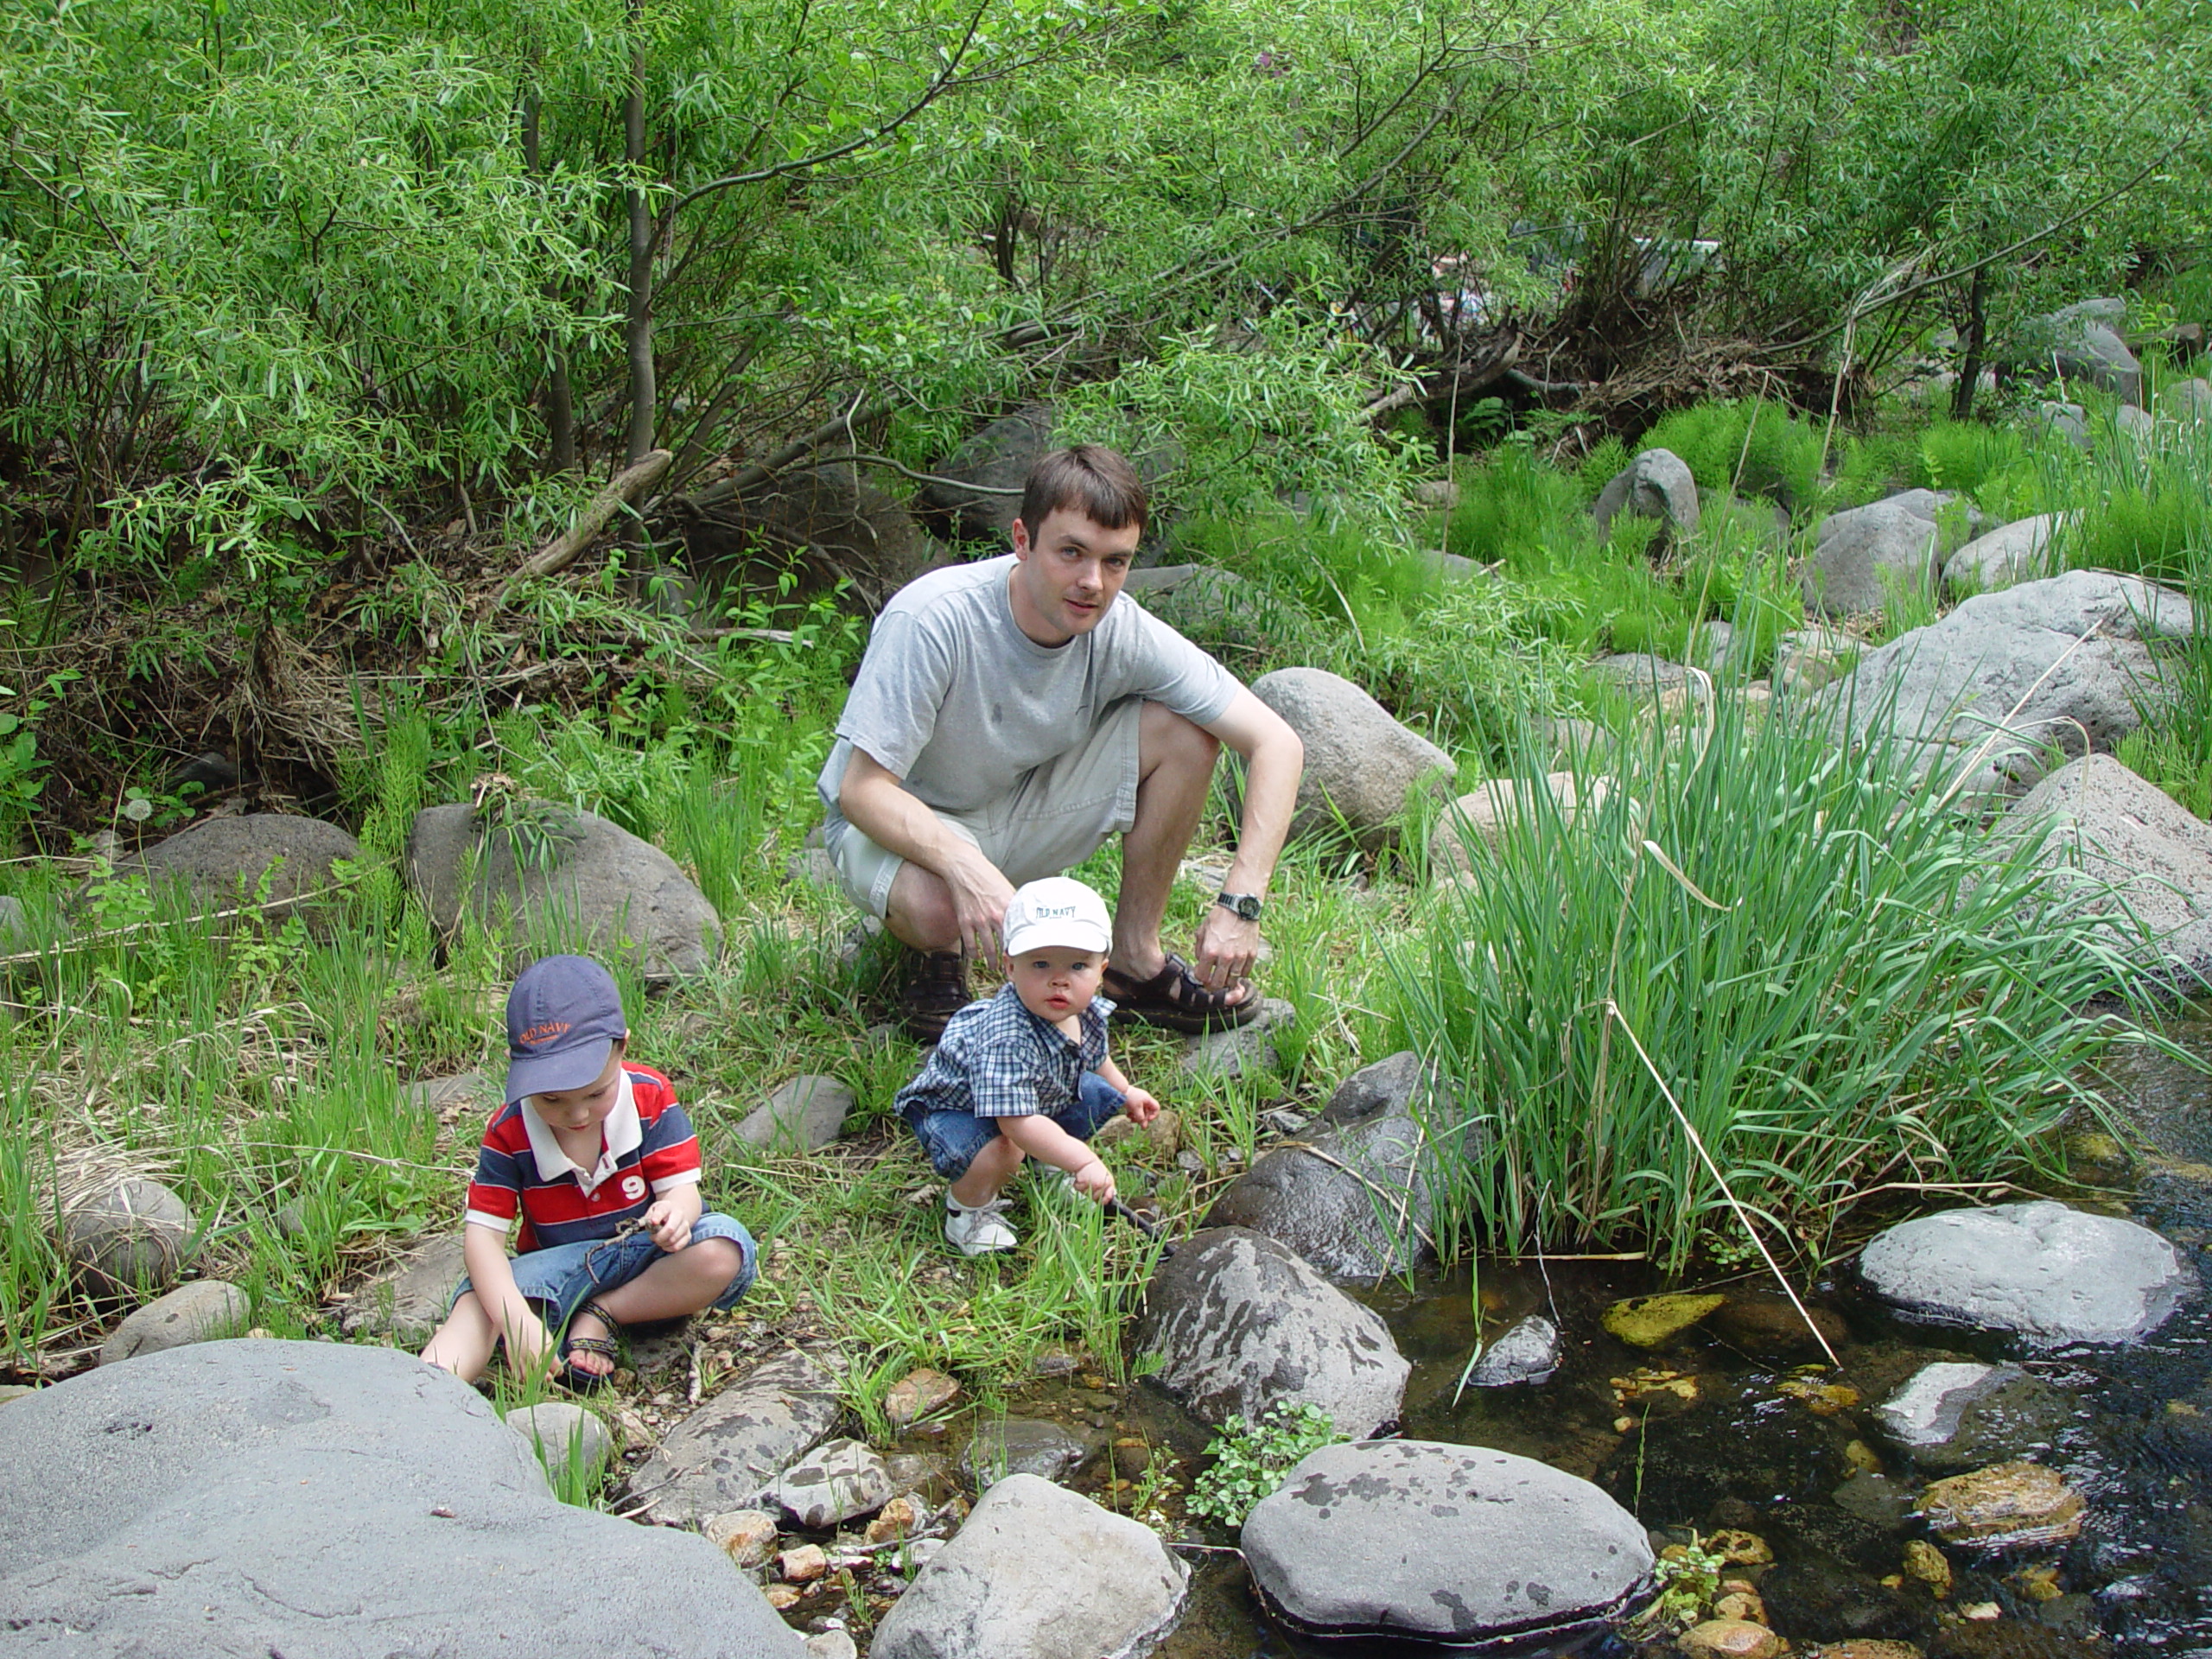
(621, 1133)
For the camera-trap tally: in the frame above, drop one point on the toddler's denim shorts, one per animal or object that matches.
(953, 1139)
(559, 1281)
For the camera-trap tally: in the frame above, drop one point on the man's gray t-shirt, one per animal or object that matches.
(953, 699)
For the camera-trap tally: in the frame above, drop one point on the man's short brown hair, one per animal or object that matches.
(1090, 479)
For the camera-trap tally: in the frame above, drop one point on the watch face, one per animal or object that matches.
(1243, 903)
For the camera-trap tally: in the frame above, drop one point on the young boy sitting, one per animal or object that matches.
(594, 1156)
(1025, 1074)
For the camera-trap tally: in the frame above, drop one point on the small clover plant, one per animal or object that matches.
(1251, 1459)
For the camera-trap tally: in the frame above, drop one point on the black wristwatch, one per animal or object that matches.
(1245, 905)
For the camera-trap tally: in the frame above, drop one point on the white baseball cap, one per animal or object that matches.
(1057, 909)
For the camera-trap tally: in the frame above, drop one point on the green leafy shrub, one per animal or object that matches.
(1512, 506)
(1965, 456)
(1251, 1459)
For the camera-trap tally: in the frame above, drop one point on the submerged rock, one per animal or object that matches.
(917, 1395)
(1953, 1415)
(2005, 1505)
(1816, 1598)
(1527, 1351)
(1647, 1321)
(1240, 1323)
(1454, 1544)
(1022, 1445)
(2036, 1270)
(1038, 1571)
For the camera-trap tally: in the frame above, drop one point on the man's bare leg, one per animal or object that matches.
(1175, 762)
(919, 912)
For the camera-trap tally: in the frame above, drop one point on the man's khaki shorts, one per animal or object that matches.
(1059, 814)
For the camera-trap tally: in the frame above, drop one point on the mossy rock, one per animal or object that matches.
(1647, 1321)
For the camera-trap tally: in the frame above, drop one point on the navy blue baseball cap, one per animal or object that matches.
(563, 1016)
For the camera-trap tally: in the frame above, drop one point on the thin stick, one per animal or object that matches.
(1613, 1011)
(86, 941)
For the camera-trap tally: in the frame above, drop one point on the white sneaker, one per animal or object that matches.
(978, 1231)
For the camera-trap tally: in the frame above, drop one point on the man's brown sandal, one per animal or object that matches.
(1174, 998)
(938, 991)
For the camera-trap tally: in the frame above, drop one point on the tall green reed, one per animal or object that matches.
(1852, 991)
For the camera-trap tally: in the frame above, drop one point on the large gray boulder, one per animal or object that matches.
(1984, 691)
(570, 880)
(1413, 1539)
(1854, 550)
(274, 860)
(2037, 1270)
(727, 1455)
(2127, 849)
(1037, 1572)
(260, 1496)
(1355, 1198)
(998, 459)
(1240, 1323)
(1657, 485)
(1361, 764)
(2020, 551)
(2083, 343)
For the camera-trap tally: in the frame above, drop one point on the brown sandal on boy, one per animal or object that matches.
(607, 1347)
(1174, 998)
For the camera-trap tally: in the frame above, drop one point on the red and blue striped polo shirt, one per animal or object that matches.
(646, 1147)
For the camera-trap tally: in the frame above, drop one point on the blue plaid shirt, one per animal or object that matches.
(997, 1059)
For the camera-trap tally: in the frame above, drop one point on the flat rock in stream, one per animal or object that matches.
(254, 1498)
(1455, 1544)
(1960, 1414)
(2037, 1270)
(1242, 1322)
(727, 1454)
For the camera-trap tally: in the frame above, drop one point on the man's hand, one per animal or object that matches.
(979, 895)
(1139, 1105)
(670, 1220)
(1094, 1180)
(1226, 948)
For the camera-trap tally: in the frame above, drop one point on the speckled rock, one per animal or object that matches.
(1417, 1539)
(1729, 1638)
(1037, 1572)
(1242, 1322)
(2038, 1271)
(1234, 1051)
(408, 1301)
(727, 1454)
(833, 1483)
(2019, 552)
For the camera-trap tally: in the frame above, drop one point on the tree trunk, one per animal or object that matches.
(560, 401)
(1977, 329)
(637, 322)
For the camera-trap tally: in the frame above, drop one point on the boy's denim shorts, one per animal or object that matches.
(952, 1138)
(559, 1279)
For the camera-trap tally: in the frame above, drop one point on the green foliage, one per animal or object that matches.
(1966, 455)
(1251, 1459)
(1844, 975)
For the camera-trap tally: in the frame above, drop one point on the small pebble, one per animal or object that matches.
(781, 1596)
(803, 1565)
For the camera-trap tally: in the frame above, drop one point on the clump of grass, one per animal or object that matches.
(1746, 445)
(1851, 990)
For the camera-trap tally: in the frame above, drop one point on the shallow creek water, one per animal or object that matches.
(1721, 1428)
